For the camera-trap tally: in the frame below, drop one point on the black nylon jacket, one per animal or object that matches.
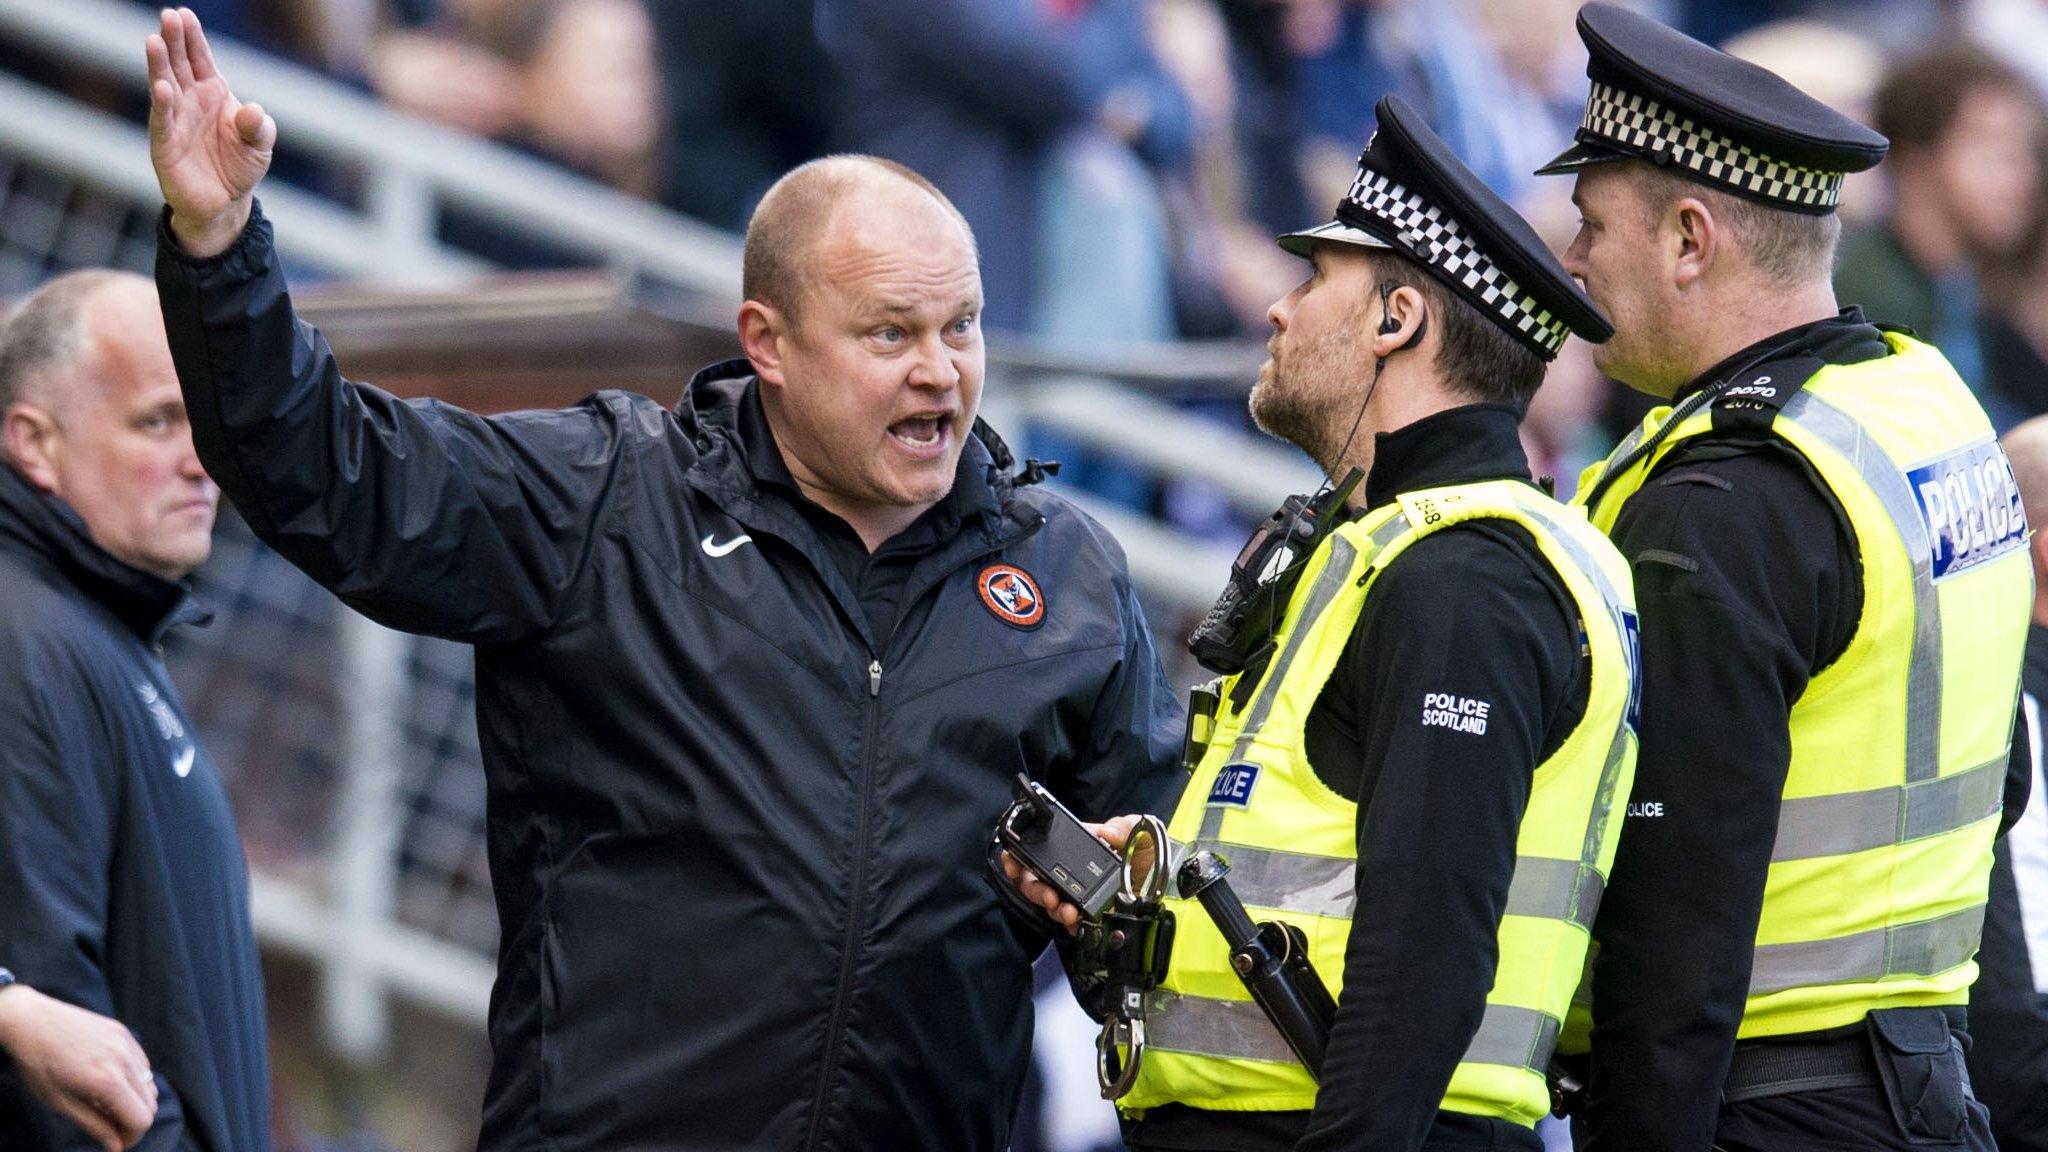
(122, 884)
(737, 848)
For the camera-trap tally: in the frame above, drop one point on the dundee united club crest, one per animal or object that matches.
(1011, 593)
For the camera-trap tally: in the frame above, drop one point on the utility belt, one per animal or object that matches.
(1913, 1056)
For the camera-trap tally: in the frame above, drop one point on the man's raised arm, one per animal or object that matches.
(421, 515)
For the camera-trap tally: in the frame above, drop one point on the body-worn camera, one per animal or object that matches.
(1060, 850)
(1240, 627)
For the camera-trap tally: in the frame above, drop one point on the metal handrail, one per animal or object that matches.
(419, 163)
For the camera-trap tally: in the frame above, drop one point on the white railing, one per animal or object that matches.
(411, 167)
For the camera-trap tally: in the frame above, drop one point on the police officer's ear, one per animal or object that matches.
(33, 443)
(1403, 320)
(764, 335)
(1691, 238)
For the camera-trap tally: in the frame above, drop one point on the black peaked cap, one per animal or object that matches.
(1413, 196)
(1662, 96)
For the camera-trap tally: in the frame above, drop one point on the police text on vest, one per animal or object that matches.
(1971, 506)
(1458, 713)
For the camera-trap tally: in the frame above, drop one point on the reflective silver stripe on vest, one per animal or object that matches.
(1290, 881)
(1517, 1037)
(1233, 1029)
(1325, 885)
(1812, 826)
(1925, 948)
(1604, 806)
(1239, 1030)
(1846, 435)
(1566, 890)
(1331, 581)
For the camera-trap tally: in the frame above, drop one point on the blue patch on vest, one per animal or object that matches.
(1971, 505)
(1234, 785)
(1632, 649)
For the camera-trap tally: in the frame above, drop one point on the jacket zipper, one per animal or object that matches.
(856, 910)
(856, 913)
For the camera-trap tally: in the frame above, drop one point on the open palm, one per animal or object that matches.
(209, 148)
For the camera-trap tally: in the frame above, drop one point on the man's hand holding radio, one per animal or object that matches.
(1114, 833)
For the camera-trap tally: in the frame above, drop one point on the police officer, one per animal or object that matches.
(2009, 1003)
(1417, 766)
(1830, 557)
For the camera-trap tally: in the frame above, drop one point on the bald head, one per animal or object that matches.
(55, 330)
(817, 202)
(2027, 447)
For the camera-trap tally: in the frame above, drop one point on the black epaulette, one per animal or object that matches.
(1751, 401)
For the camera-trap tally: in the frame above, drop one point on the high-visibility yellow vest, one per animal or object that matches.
(1883, 856)
(1292, 843)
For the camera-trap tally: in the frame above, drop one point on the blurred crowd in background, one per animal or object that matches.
(1125, 165)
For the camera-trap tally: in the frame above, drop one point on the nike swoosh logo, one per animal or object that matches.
(715, 550)
(183, 764)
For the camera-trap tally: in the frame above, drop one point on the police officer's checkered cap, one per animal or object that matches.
(1431, 236)
(1642, 125)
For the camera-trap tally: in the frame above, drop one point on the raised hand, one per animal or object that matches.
(209, 148)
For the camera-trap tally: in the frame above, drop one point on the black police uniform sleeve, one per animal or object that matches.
(418, 514)
(57, 802)
(2019, 774)
(1744, 579)
(1461, 614)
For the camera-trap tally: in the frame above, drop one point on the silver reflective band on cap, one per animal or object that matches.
(1835, 825)
(1925, 948)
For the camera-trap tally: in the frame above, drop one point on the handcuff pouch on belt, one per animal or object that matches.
(1122, 945)
(1122, 955)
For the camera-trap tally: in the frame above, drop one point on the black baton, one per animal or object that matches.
(1270, 958)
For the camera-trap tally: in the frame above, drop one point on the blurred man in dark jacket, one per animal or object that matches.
(123, 889)
(754, 676)
(2009, 1002)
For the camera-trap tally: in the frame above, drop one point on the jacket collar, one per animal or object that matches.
(45, 532)
(1457, 445)
(744, 474)
(1845, 338)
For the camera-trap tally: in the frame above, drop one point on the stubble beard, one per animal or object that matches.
(1311, 398)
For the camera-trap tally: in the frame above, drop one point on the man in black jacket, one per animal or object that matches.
(123, 891)
(2009, 1002)
(753, 676)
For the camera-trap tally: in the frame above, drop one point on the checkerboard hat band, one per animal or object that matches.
(1435, 239)
(1640, 124)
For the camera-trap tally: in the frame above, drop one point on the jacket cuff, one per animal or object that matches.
(249, 256)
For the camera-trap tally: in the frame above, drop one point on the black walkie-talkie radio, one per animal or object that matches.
(1054, 844)
(1262, 577)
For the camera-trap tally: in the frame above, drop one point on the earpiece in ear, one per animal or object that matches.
(1388, 325)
